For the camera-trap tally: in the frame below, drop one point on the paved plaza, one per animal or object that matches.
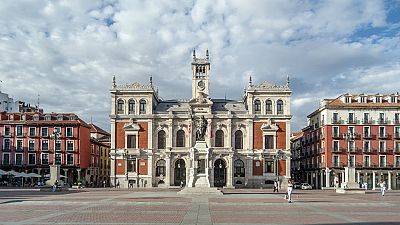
(110, 206)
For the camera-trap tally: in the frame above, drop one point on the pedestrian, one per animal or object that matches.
(365, 185)
(118, 184)
(276, 186)
(104, 183)
(181, 183)
(289, 190)
(382, 184)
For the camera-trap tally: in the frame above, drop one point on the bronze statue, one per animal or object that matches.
(201, 128)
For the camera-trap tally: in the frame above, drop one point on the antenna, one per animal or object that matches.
(38, 100)
(91, 121)
(1, 82)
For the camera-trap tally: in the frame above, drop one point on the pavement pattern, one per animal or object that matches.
(163, 206)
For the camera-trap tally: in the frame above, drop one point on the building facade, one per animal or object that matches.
(246, 142)
(26, 144)
(361, 131)
(99, 171)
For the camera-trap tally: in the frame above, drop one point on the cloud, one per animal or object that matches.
(68, 51)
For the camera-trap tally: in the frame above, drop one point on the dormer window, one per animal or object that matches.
(348, 99)
(35, 118)
(72, 118)
(393, 99)
(378, 99)
(363, 99)
(47, 118)
(59, 118)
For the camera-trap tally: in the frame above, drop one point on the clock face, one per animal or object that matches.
(201, 85)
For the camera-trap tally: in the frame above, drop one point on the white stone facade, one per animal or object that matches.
(153, 141)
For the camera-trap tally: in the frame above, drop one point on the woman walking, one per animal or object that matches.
(289, 190)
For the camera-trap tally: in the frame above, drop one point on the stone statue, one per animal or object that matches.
(201, 128)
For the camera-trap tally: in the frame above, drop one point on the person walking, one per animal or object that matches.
(382, 184)
(289, 191)
(276, 188)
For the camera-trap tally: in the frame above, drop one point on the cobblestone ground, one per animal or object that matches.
(109, 206)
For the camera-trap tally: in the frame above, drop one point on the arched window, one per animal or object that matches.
(239, 168)
(120, 106)
(219, 138)
(131, 106)
(160, 169)
(180, 138)
(238, 139)
(279, 107)
(161, 139)
(142, 106)
(257, 106)
(268, 107)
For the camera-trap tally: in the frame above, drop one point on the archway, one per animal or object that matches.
(219, 173)
(180, 173)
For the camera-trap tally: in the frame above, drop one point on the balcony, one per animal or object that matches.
(369, 151)
(32, 135)
(20, 134)
(337, 121)
(383, 121)
(396, 135)
(368, 136)
(7, 134)
(397, 150)
(8, 149)
(396, 121)
(353, 121)
(336, 150)
(355, 150)
(397, 164)
(368, 121)
(339, 164)
(384, 136)
(386, 151)
(322, 150)
(337, 135)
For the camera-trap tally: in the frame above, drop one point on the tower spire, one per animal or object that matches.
(151, 81)
(287, 80)
(207, 55)
(250, 82)
(114, 84)
(194, 53)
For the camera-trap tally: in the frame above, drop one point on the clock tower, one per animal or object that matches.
(200, 76)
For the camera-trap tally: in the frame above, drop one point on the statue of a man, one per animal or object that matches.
(201, 129)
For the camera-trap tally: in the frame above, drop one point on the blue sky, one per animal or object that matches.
(68, 51)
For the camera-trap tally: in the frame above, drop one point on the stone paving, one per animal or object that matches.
(118, 206)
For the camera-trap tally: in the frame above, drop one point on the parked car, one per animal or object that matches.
(305, 186)
(296, 185)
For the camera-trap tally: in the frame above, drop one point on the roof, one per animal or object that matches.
(97, 129)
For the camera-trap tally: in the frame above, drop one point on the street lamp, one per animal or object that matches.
(54, 169)
(280, 155)
(349, 170)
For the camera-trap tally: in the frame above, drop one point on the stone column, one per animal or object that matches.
(373, 180)
(167, 171)
(316, 180)
(66, 175)
(249, 172)
(343, 177)
(322, 178)
(229, 174)
(389, 185)
(327, 178)
(358, 177)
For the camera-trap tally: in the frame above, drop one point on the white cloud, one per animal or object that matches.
(68, 50)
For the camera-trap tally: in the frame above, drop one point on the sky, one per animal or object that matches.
(68, 51)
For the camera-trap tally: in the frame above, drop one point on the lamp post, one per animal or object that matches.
(54, 169)
(280, 155)
(349, 170)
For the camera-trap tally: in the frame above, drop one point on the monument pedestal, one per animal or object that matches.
(350, 186)
(199, 172)
(54, 175)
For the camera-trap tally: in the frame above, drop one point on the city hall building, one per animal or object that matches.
(201, 141)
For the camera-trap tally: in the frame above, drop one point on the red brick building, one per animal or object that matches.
(98, 174)
(26, 144)
(362, 131)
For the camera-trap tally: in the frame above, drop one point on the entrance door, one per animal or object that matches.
(219, 173)
(180, 173)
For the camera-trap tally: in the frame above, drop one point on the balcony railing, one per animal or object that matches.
(383, 121)
(397, 135)
(355, 150)
(396, 121)
(337, 150)
(353, 121)
(397, 150)
(20, 134)
(368, 136)
(369, 150)
(367, 121)
(337, 135)
(7, 134)
(397, 164)
(339, 164)
(384, 135)
(337, 121)
(386, 151)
